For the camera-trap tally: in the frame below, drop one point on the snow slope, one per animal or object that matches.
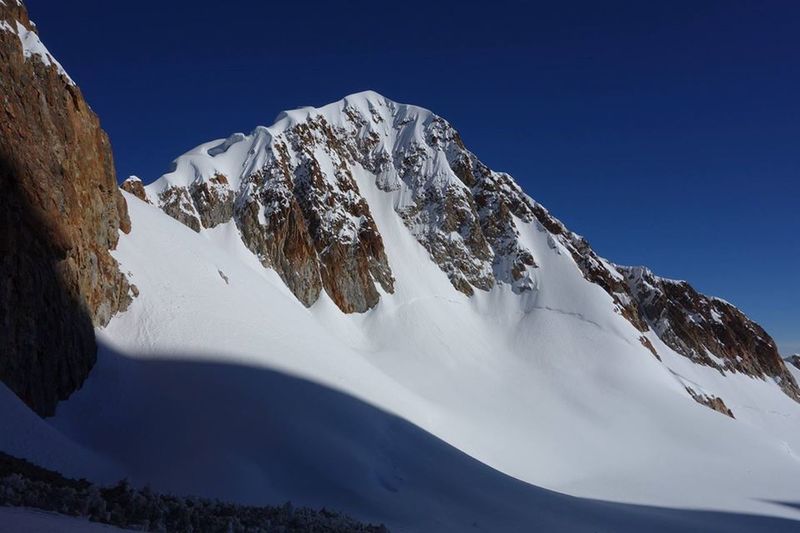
(432, 411)
(21, 520)
(190, 393)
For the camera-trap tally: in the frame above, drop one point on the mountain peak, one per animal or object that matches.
(297, 192)
(366, 104)
(459, 210)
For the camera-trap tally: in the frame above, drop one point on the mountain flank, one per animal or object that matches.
(60, 214)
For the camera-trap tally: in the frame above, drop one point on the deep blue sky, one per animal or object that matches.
(668, 133)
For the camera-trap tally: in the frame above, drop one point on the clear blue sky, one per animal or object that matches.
(668, 133)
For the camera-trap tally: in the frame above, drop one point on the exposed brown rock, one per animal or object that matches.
(442, 214)
(135, 186)
(60, 214)
(316, 231)
(213, 200)
(347, 241)
(707, 330)
(282, 241)
(649, 345)
(596, 271)
(710, 401)
(690, 323)
(177, 203)
(203, 204)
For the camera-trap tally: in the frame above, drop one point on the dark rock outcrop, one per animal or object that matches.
(349, 247)
(135, 186)
(177, 203)
(707, 330)
(213, 200)
(279, 235)
(60, 214)
(461, 212)
(712, 402)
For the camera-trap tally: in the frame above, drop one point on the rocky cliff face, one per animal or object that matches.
(60, 214)
(707, 330)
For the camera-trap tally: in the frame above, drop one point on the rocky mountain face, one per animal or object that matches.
(60, 214)
(707, 330)
(298, 174)
(291, 191)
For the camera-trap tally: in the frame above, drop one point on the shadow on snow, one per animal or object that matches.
(258, 436)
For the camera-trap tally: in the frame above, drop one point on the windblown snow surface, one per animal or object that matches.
(433, 411)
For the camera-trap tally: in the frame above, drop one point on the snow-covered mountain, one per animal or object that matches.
(362, 246)
(348, 309)
(294, 192)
